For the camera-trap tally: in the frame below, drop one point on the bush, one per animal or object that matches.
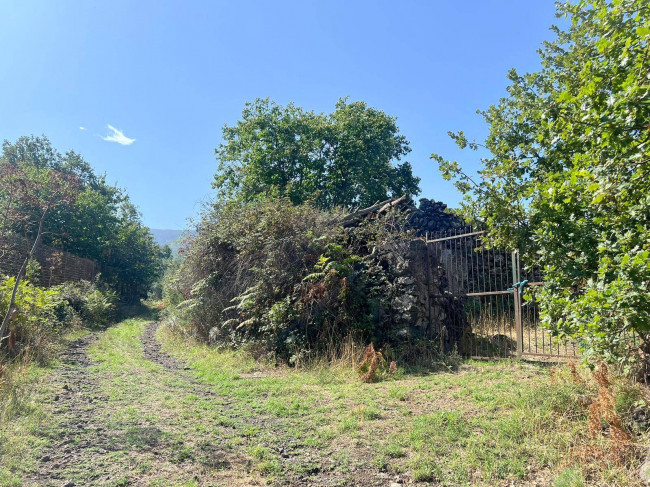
(41, 315)
(36, 317)
(283, 279)
(94, 303)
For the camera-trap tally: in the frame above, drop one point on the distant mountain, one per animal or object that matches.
(163, 237)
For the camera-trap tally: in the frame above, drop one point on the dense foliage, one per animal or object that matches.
(99, 222)
(568, 178)
(347, 158)
(285, 278)
(42, 315)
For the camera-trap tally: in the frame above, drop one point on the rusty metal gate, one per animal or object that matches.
(490, 284)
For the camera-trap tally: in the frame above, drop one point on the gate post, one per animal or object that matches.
(518, 324)
(516, 278)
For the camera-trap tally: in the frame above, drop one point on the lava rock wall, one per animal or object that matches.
(422, 306)
(432, 217)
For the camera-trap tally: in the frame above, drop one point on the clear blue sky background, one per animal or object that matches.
(171, 73)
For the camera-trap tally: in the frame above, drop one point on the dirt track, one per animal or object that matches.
(125, 424)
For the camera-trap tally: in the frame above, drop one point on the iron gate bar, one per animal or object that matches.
(454, 237)
(482, 277)
(519, 328)
(487, 293)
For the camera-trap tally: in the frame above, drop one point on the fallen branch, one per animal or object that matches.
(378, 208)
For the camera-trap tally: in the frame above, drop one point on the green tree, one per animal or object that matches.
(101, 223)
(41, 191)
(568, 178)
(347, 158)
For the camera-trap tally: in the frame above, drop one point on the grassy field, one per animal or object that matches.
(486, 423)
(214, 417)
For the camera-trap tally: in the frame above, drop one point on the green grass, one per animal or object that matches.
(487, 424)
(23, 393)
(230, 420)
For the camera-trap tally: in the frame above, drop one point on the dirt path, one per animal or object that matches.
(92, 444)
(124, 413)
(75, 406)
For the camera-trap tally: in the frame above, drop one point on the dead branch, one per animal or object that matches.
(353, 219)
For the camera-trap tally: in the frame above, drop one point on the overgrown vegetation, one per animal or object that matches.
(41, 317)
(567, 176)
(284, 279)
(485, 423)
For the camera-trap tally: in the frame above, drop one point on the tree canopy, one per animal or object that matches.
(568, 178)
(347, 158)
(99, 223)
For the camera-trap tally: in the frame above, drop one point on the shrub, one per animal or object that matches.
(94, 303)
(42, 315)
(284, 279)
(37, 315)
(374, 366)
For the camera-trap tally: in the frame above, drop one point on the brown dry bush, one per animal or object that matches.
(372, 360)
(373, 366)
(602, 414)
(604, 423)
(575, 375)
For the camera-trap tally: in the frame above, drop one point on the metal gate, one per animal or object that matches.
(490, 285)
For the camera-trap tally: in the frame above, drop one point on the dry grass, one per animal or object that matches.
(607, 401)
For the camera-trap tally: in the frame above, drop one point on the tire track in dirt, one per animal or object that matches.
(152, 350)
(83, 444)
(319, 471)
(75, 408)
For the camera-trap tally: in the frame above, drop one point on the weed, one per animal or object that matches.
(368, 413)
(373, 366)
(394, 451)
(398, 392)
(571, 477)
(602, 414)
(258, 452)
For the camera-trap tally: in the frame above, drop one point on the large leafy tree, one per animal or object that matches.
(40, 191)
(347, 158)
(100, 223)
(568, 178)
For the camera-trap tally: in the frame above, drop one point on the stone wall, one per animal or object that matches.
(422, 306)
(432, 216)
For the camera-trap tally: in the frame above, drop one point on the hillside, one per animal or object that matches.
(165, 236)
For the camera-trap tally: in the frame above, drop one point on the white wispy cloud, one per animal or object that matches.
(82, 128)
(117, 136)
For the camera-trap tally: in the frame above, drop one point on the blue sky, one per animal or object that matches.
(170, 74)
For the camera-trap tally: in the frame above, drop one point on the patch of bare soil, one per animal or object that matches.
(152, 350)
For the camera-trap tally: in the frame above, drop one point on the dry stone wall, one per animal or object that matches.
(422, 306)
